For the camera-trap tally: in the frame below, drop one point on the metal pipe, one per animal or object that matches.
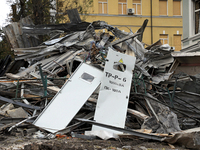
(151, 24)
(132, 132)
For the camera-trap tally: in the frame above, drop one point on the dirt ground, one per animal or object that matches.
(18, 143)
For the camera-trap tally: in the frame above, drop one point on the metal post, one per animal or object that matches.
(44, 81)
(17, 89)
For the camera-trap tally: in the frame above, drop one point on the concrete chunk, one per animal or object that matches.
(17, 113)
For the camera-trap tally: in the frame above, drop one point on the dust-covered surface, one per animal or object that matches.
(18, 143)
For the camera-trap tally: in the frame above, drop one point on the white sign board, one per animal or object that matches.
(69, 100)
(114, 92)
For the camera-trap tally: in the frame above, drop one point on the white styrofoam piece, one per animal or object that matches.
(69, 100)
(114, 92)
(105, 135)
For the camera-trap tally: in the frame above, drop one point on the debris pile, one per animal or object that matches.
(82, 74)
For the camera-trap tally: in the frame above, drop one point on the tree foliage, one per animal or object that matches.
(82, 6)
(5, 48)
(39, 10)
(47, 11)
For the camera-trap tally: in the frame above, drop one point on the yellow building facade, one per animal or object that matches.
(165, 18)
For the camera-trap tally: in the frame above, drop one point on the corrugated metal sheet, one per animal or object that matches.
(17, 38)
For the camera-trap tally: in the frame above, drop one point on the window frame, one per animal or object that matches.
(181, 13)
(162, 39)
(191, 37)
(103, 6)
(167, 8)
(122, 7)
(181, 40)
(136, 7)
(194, 19)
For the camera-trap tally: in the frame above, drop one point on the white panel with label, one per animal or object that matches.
(69, 100)
(114, 92)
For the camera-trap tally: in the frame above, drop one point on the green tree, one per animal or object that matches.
(5, 48)
(83, 7)
(39, 10)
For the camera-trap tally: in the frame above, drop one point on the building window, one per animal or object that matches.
(137, 7)
(177, 42)
(122, 7)
(164, 38)
(163, 7)
(177, 7)
(197, 17)
(103, 6)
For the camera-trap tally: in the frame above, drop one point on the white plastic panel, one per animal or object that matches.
(69, 100)
(113, 98)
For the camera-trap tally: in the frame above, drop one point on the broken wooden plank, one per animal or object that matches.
(137, 114)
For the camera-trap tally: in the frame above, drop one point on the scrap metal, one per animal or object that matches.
(162, 99)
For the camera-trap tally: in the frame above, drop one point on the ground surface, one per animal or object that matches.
(17, 143)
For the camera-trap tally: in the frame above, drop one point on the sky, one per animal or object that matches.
(4, 11)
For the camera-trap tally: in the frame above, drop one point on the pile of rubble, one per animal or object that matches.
(82, 74)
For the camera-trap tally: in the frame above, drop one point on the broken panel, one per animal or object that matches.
(113, 98)
(69, 100)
